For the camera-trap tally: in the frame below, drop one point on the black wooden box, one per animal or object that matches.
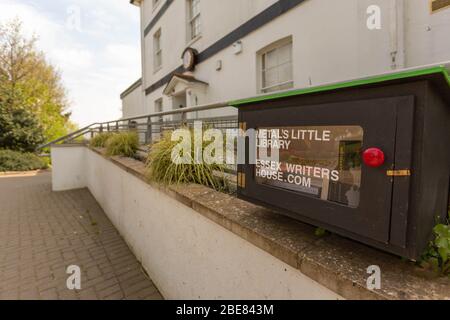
(367, 159)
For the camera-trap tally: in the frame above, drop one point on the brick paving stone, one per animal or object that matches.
(49, 294)
(43, 232)
(142, 294)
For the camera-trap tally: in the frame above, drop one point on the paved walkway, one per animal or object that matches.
(42, 233)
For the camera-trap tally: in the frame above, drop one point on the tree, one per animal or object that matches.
(20, 129)
(33, 102)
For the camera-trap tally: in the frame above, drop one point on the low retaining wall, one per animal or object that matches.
(196, 243)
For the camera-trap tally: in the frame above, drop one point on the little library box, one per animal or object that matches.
(367, 159)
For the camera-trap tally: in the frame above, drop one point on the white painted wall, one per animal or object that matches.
(68, 169)
(427, 35)
(133, 103)
(331, 42)
(187, 255)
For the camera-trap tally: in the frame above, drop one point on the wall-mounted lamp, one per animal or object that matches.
(237, 47)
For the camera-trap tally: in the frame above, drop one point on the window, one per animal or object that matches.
(437, 5)
(194, 19)
(157, 51)
(323, 162)
(159, 108)
(276, 67)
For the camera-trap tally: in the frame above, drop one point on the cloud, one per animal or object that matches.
(98, 61)
(71, 58)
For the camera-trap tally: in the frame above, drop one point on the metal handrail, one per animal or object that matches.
(66, 137)
(204, 107)
(116, 124)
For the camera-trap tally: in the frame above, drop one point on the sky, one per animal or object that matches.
(93, 43)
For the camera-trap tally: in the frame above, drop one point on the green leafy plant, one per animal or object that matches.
(320, 232)
(34, 106)
(18, 161)
(122, 144)
(437, 256)
(161, 168)
(99, 140)
(19, 129)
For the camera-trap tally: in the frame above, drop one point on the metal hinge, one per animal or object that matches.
(399, 173)
(241, 180)
(243, 127)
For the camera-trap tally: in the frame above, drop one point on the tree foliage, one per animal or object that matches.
(19, 129)
(33, 102)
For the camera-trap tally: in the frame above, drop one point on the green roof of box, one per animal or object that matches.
(348, 84)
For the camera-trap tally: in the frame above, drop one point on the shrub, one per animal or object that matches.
(18, 161)
(122, 144)
(19, 129)
(99, 140)
(161, 168)
(437, 257)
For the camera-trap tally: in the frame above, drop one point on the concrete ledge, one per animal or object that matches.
(332, 261)
(23, 173)
(70, 145)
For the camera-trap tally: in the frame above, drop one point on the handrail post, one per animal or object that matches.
(107, 126)
(117, 126)
(101, 128)
(149, 133)
(183, 119)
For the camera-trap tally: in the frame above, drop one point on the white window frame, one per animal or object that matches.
(159, 107)
(285, 85)
(193, 33)
(157, 51)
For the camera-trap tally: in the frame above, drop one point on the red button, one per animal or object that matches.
(373, 157)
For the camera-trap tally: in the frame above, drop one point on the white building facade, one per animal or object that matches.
(241, 48)
(133, 100)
